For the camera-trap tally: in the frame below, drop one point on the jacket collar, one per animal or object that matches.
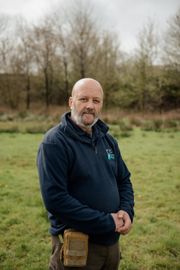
(72, 130)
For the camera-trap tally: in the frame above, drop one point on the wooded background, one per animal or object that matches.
(39, 63)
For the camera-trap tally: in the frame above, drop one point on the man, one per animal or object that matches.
(85, 184)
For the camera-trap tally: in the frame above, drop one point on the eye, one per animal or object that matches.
(96, 101)
(83, 99)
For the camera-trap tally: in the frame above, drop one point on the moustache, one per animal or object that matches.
(89, 111)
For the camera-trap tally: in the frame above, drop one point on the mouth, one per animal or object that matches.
(89, 113)
(88, 117)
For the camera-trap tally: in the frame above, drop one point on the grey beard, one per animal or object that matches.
(89, 126)
(77, 120)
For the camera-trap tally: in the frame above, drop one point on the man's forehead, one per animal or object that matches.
(88, 92)
(88, 87)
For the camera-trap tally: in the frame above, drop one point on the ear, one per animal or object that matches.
(70, 102)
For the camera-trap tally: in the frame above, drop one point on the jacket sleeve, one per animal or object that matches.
(52, 162)
(124, 186)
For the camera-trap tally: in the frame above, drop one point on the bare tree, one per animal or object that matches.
(83, 38)
(171, 46)
(107, 63)
(64, 58)
(170, 84)
(5, 47)
(145, 57)
(61, 33)
(44, 47)
(9, 84)
(25, 56)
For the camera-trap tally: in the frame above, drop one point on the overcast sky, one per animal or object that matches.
(126, 17)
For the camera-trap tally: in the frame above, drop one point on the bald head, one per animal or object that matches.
(87, 83)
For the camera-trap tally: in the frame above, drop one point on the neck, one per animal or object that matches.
(86, 129)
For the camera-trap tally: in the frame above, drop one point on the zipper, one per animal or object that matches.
(94, 147)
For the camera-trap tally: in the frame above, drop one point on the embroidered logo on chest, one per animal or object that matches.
(110, 154)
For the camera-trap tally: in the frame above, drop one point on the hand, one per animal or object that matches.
(127, 224)
(118, 221)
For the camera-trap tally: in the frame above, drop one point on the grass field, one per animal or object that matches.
(154, 243)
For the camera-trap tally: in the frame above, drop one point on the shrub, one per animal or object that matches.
(38, 128)
(114, 130)
(9, 127)
(124, 125)
(170, 123)
(152, 125)
(158, 124)
(135, 122)
(125, 134)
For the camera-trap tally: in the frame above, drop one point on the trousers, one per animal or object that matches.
(99, 257)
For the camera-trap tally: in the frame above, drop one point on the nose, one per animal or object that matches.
(90, 104)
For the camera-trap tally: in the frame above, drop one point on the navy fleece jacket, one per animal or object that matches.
(83, 180)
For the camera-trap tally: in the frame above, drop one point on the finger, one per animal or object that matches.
(126, 231)
(123, 231)
(125, 228)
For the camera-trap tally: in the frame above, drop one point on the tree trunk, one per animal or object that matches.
(46, 87)
(28, 88)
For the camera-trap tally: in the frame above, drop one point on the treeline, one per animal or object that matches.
(39, 63)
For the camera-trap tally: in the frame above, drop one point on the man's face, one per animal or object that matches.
(86, 104)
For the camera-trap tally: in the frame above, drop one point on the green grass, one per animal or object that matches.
(154, 242)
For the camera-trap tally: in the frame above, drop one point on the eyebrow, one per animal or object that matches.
(88, 97)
